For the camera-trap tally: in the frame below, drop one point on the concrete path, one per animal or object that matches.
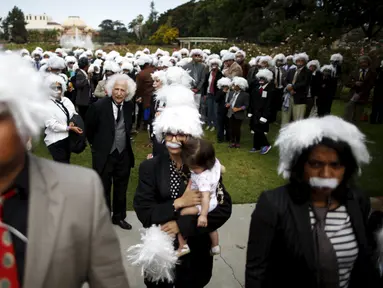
(229, 268)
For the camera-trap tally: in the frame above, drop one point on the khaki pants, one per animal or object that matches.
(297, 111)
(353, 111)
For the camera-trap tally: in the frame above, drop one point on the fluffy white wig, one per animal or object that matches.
(47, 53)
(40, 49)
(267, 59)
(241, 83)
(37, 52)
(160, 52)
(184, 51)
(89, 52)
(254, 61)
(178, 76)
(98, 52)
(59, 50)
(24, 51)
(279, 57)
(206, 51)
(299, 135)
(337, 57)
(177, 95)
(327, 67)
(161, 75)
(164, 61)
(228, 56)
(177, 55)
(290, 57)
(215, 61)
(56, 62)
(65, 77)
(178, 119)
(97, 62)
(144, 59)
(119, 59)
(129, 55)
(225, 81)
(314, 63)
(301, 56)
(52, 79)
(196, 52)
(127, 66)
(27, 102)
(121, 77)
(240, 52)
(265, 73)
(234, 49)
(83, 55)
(70, 59)
(146, 51)
(213, 56)
(183, 62)
(112, 66)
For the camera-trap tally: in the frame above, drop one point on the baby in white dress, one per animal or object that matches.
(199, 156)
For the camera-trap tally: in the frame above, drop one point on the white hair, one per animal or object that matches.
(327, 67)
(127, 66)
(177, 75)
(254, 61)
(265, 73)
(206, 51)
(97, 62)
(301, 56)
(164, 61)
(112, 66)
(177, 55)
(228, 56)
(144, 59)
(37, 52)
(24, 51)
(121, 77)
(241, 83)
(70, 59)
(129, 55)
(267, 59)
(161, 75)
(184, 51)
(52, 79)
(314, 63)
(243, 53)
(302, 134)
(183, 62)
(337, 57)
(234, 49)
(196, 52)
(225, 81)
(23, 94)
(56, 62)
(178, 119)
(216, 61)
(146, 50)
(279, 57)
(98, 52)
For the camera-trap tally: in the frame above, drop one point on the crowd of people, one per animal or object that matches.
(56, 219)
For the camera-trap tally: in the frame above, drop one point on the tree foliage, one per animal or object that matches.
(14, 26)
(113, 31)
(166, 34)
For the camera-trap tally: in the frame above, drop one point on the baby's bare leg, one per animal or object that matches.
(181, 241)
(214, 238)
(190, 211)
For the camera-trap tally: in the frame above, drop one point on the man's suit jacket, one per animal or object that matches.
(261, 106)
(70, 237)
(283, 78)
(82, 88)
(145, 87)
(206, 82)
(243, 99)
(233, 71)
(302, 84)
(364, 91)
(100, 130)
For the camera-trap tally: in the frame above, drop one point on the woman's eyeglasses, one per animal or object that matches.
(179, 137)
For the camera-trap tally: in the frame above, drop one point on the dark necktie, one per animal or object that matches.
(8, 268)
(118, 113)
(64, 109)
(278, 75)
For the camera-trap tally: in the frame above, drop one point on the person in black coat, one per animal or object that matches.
(313, 232)
(377, 100)
(261, 110)
(108, 125)
(315, 86)
(83, 90)
(327, 86)
(221, 98)
(163, 190)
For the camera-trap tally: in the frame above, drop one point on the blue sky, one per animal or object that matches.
(92, 12)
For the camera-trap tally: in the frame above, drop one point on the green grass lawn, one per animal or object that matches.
(247, 175)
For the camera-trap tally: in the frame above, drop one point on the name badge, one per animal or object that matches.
(264, 94)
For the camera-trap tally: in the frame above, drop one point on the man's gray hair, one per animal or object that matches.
(131, 86)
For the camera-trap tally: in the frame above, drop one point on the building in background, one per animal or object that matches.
(74, 26)
(41, 23)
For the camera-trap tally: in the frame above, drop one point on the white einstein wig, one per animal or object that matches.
(223, 52)
(127, 66)
(37, 52)
(121, 77)
(129, 55)
(314, 63)
(183, 62)
(216, 61)
(178, 119)
(266, 74)
(178, 76)
(24, 51)
(228, 56)
(254, 61)
(177, 55)
(111, 66)
(27, 102)
(146, 51)
(224, 82)
(52, 79)
(279, 57)
(327, 67)
(164, 61)
(206, 51)
(98, 52)
(240, 52)
(56, 62)
(196, 52)
(176, 95)
(267, 59)
(160, 75)
(337, 57)
(144, 59)
(184, 51)
(302, 134)
(241, 83)
(301, 56)
(234, 49)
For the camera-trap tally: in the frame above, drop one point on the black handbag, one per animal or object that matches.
(77, 141)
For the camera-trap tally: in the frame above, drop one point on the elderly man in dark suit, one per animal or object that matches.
(108, 126)
(298, 83)
(360, 83)
(83, 95)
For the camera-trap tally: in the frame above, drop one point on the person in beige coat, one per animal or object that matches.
(231, 68)
(110, 68)
(53, 216)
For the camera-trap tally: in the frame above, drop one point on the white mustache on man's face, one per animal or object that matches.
(317, 182)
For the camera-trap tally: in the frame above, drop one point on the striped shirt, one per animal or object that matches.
(341, 234)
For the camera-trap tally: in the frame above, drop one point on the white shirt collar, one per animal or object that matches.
(264, 86)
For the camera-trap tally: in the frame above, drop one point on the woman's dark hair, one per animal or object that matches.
(198, 152)
(346, 158)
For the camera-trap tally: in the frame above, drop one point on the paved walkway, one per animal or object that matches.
(229, 268)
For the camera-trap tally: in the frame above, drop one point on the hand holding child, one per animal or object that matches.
(202, 221)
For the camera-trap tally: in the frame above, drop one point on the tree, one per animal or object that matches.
(151, 24)
(114, 31)
(165, 34)
(14, 26)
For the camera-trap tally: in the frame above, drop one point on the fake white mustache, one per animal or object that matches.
(173, 145)
(318, 182)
